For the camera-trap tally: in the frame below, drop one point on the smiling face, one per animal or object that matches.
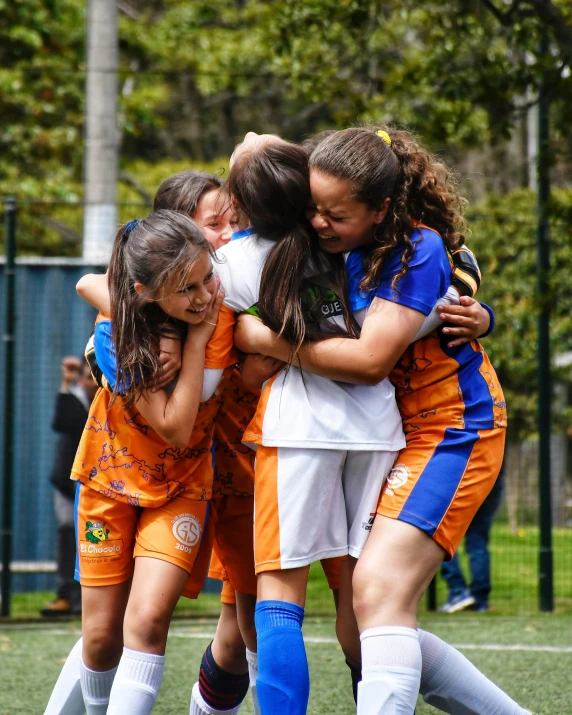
(341, 222)
(217, 220)
(188, 299)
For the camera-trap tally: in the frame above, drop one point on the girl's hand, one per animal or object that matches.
(252, 336)
(470, 320)
(204, 330)
(256, 369)
(170, 359)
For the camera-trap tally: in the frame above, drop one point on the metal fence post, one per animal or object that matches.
(545, 576)
(11, 208)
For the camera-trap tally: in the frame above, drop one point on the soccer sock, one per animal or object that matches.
(252, 660)
(96, 686)
(66, 697)
(356, 678)
(391, 670)
(136, 684)
(283, 684)
(454, 685)
(217, 691)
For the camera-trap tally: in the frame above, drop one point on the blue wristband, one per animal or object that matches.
(491, 313)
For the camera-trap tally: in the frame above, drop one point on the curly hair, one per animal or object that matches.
(422, 190)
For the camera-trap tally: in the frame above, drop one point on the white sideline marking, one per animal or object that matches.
(202, 635)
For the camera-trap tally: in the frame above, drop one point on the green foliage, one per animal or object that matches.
(504, 240)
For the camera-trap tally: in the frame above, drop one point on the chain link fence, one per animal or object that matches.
(51, 321)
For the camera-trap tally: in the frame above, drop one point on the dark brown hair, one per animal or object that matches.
(421, 189)
(156, 252)
(183, 191)
(271, 184)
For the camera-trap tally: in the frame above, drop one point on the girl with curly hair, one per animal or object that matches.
(382, 199)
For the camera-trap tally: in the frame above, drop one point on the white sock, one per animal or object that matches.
(451, 683)
(66, 697)
(252, 660)
(200, 707)
(391, 670)
(136, 684)
(96, 686)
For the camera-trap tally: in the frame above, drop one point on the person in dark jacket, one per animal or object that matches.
(76, 392)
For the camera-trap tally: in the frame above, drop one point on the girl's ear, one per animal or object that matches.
(381, 212)
(141, 290)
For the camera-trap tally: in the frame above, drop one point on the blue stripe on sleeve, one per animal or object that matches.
(430, 498)
(427, 279)
(105, 351)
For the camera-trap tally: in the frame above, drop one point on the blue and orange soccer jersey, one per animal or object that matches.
(450, 400)
(121, 456)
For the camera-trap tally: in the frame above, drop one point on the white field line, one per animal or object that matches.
(204, 635)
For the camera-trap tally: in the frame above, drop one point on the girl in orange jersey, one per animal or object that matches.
(144, 463)
(372, 194)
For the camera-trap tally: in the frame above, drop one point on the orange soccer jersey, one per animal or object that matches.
(121, 456)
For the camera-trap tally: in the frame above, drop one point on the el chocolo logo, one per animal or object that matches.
(187, 530)
(397, 478)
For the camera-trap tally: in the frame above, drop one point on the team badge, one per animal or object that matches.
(397, 478)
(187, 531)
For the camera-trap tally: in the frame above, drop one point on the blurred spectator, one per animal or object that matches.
(476, 596)
(77, 390)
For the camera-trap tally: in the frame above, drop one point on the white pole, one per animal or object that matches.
(101, 135)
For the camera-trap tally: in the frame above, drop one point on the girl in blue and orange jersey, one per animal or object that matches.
(382, 199)
(144, 463)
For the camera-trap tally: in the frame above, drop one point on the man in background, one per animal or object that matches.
(475, 596)
(77, 389)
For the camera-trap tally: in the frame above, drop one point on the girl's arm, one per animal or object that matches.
(94, 290)
(387, 330)
(173, 415)
(470, 320)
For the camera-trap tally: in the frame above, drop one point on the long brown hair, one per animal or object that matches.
(421, 189)
(155, 251)
(272, 186)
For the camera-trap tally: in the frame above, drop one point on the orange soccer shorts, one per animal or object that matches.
(233, 557)
(112, 533)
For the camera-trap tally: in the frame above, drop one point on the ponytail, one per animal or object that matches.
(272, 187)
(383, 163)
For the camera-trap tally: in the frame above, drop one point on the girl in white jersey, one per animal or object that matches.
(323, 447)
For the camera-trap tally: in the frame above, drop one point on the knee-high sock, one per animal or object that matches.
(252, 660)
(451, 683)
(136, 683)
(217, 691)
(283, 684)
(96, 686)
(66, 697)
(391, 670)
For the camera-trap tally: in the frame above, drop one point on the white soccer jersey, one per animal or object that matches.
(298, 408)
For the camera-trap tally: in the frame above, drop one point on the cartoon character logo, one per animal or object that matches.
(96, 532)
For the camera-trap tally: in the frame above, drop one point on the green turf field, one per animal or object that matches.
(531, 658)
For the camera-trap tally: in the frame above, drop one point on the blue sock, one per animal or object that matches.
(283, 682)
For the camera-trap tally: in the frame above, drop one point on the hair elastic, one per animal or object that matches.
(130, 226)
(382, 134)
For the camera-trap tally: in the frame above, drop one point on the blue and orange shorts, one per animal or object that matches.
(441, 478)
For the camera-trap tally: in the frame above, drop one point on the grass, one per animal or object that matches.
(31, 657)
(514, 577)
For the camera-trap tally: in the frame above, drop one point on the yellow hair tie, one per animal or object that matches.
(385, 136)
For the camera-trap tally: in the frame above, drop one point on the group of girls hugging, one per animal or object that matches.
(289, 372)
